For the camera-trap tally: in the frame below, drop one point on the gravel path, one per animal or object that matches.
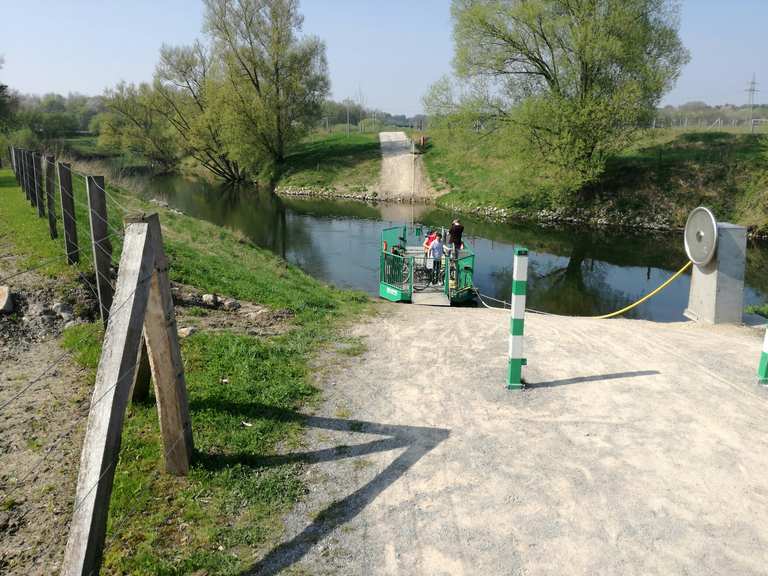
(42, 422)
(397, 181)
(638, 448)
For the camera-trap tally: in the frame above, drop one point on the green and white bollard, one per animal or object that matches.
(762, 371)
(516, 323)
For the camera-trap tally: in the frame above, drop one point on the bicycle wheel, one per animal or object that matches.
(421, 277)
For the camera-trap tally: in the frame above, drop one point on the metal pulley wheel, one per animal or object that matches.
(700, 236)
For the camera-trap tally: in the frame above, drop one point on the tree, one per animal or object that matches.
(274, 82)
(183, 88)
(576, 78)
(7, 104)
(132, 124)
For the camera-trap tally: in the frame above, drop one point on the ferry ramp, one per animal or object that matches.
(637, 448)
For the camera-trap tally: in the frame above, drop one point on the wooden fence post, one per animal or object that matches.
(13, 163)
(30, 179)
(167, 366)
(16, 167)
(143, 298)
(68, 213)
(37, 170)
(102, 247)
(50, 182)
(26, 162)
(114, 377)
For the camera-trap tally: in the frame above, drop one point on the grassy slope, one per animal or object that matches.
(228, 509)
(324, 161)
(675, 171)
(667, 172)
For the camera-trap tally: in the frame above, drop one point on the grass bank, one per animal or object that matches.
(657, 181)
(243, 390)
(334, 162)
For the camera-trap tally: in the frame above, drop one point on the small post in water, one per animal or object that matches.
(519, 285)
(762, 370)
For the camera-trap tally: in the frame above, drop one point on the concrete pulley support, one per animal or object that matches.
(718, 252)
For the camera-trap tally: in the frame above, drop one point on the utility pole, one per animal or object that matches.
(751, 91)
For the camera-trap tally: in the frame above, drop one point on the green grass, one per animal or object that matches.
(21, 228)
(761, 309)
(324, 161)
(473, 170)
(88, 147)
(228, 510)
(667, 172)
(673, 171)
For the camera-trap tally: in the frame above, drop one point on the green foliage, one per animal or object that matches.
(574, 79)
(662, 176)
(333, 160)
(244, 393)
(272, 94)
(185, 96)
(5, 107)
(21, 138)
(20, 227)
(236, 103)
(474, 169)
(134, 125)
(761, 309)
(50, 116)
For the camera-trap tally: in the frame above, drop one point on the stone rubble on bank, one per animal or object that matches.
(186, 331)
(328, 192)
(210, 300)
(363, 195)
(597, 217)
(6, 300)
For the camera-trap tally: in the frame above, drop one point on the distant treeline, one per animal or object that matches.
(336, 113)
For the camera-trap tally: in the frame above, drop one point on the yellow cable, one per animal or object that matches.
(644, 298)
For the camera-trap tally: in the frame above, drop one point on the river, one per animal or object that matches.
(572, 271)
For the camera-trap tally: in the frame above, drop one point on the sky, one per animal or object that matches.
(387, 51)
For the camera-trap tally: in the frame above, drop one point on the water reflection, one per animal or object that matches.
(572, 271)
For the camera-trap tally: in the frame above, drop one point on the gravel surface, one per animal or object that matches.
(41, 427)
(638, 448)
(397, 181)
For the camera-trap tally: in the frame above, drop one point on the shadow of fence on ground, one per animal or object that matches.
(417, 441)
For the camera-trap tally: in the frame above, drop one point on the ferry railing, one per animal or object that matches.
(397, 271)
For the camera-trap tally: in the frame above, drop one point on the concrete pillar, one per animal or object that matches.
(717, 288)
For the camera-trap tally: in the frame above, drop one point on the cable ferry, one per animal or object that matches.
(408, 274)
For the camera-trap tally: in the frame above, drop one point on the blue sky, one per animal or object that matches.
(388, 50)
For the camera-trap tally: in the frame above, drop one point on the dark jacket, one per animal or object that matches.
(456, 232)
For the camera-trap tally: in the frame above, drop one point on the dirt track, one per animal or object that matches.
(638, 448)
(397, 181)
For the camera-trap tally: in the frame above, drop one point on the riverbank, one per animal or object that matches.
(243, 374)
(370, 167)
(654, 185)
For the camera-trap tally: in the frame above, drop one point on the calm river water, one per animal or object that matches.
(572, 271)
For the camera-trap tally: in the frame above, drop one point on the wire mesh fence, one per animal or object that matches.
(99, 239)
